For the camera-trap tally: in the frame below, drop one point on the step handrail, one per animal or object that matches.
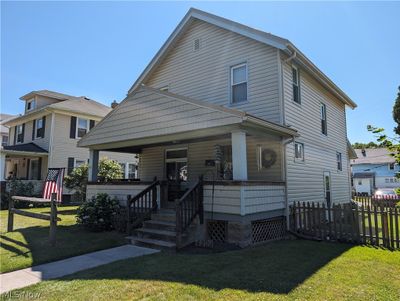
(140, 206)
(189, 206)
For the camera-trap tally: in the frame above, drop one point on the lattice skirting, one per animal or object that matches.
(268, 229)
(217, 230)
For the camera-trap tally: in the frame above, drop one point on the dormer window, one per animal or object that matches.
(30, 104)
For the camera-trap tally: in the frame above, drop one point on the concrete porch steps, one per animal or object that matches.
(159, 232)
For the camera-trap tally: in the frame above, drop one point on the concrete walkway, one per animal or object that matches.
(56, 269)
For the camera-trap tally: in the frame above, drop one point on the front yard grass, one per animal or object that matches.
(284, 270)
(29, 245)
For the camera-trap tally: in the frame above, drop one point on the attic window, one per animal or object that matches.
(196, 44)
(30, 104)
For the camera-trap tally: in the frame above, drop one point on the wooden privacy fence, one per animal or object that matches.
(52, 218)
(359, 224)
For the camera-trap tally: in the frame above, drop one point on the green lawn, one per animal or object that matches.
(284, 270)
(29, 244)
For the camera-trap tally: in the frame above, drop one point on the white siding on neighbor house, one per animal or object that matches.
(65, 147)
(305, 179)
(152, 164)
(42, 142)
(149, 114)
(205, 74)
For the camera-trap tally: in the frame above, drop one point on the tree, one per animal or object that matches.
(78, 178)
(365, 145)
(396, 112)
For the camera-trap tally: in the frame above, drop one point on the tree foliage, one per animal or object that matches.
(365, 145)
(78, 178)
(396, 112)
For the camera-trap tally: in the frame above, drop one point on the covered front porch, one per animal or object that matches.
(196, 160)
(26, 163)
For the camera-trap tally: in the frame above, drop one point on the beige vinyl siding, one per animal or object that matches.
(149, 114)
(42, 101)
(42, 142)
(305, 179)
(227, 199)
(151, 161)
(205, 74)
(65, 147)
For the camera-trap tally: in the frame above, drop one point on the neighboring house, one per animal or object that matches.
(373, 169)
(245, 109)
(4, 140)
(46, 135)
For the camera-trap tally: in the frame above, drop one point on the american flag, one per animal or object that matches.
(54, 183)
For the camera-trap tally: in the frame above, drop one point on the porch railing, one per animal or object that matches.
(189, 206)
(140, 206)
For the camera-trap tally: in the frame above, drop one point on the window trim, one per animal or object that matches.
(36, 128)
(77, 159)
(77, 126)
(183, 159)
(303, 158)
(389, 166)
(297, 84)
(231, 83)
(339, 156)
(31, 101)
(325, 131)
(17, 134)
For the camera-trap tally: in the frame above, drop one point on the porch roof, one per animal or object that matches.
(152, 116)
(29, 149)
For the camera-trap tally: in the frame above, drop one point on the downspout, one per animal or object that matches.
(285, 143)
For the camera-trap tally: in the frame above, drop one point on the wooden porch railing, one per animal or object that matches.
(188, 207)
(141, 205)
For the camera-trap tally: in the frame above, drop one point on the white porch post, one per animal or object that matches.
(2, 166)
(93, 164)
(239, 155)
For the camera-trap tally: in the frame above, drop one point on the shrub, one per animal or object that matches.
(97, 214)
(78, 178)
(19, 188)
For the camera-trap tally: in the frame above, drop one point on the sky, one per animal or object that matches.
(98, 49)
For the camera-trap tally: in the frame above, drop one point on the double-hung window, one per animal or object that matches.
(20, 133)
(82, 127)
(324, 129)
(296, 85)
(39, 128)
(30, 104)
(299, 151)
(239, 83)
(339, 161)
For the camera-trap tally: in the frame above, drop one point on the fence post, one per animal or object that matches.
(53, 219)
(10, 226)
(201, 197)
(128, 214)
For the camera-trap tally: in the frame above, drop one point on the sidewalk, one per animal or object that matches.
(56, 269)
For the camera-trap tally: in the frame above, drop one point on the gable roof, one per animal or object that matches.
(258, 35)
(150, 113)
(373, 156)
(25, 148)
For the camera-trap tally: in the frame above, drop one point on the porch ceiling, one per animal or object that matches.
(153, 117)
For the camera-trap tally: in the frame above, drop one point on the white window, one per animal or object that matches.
(391, 166)
(79, 163)
(339, 161)
(20, 133)
(4, 140)
(30, 104)
(387, 180)
(391, 180)
(132, 171)
(323, 120)
(299, 151)
(82, 127)
(239, 83)
(296, 85)
(39, 128)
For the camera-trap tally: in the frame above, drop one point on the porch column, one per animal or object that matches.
(93, 164)
(2, 166)
(239, 155)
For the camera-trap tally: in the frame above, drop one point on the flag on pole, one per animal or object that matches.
(54, 183)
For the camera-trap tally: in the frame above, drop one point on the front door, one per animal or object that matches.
(327, 187)
(176, 174)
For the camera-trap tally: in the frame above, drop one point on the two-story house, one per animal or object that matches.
(243, 108)
(374, 168)
(4, 131)
(46, 136)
